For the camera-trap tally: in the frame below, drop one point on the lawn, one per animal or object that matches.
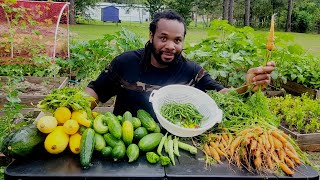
(194, 35)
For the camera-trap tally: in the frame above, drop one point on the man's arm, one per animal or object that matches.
(92, 93)
(255, 78)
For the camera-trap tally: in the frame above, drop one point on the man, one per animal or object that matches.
(134, 74)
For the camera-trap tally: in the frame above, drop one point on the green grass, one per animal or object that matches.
(194, 35)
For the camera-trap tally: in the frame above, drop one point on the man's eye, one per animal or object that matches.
(178, 40)
(163, 39)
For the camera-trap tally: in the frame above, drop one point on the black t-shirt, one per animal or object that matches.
(132, 82)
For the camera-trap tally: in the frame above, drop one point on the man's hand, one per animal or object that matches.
(259, 76)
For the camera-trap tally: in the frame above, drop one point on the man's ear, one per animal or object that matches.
(150, 37)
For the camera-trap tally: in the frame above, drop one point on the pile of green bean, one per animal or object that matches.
(183, 114)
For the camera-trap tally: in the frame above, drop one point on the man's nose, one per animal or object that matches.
(170, 45)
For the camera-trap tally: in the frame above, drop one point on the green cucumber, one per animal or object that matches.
(133, 152)
(158, 129)
(150, 141)
(146, 120)
(106, 151)
(23, 141)
(100, 124)
(127, 132)
(99, 142)
(114, 125)
(140, 132)
(87, 147)
(112, 141)
(136, 122)
(127, 116)
(118, 152)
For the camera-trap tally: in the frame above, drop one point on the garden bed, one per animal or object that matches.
(307, 142)
(298, 89)
(32, 89)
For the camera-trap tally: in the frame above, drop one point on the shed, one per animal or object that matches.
(110, 13)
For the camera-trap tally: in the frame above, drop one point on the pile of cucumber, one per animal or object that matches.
(118, 137)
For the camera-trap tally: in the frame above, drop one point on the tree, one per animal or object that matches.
(225, 9)
(247, 13)
(183, 7)
(78, 7)
(154, 6)
(230, 14)
(288, 23)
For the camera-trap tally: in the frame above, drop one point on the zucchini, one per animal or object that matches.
(150, 141)
(114, 125)
(136, 123)
(146, 120)
(106, 151)
(87, 147)
(140, 132)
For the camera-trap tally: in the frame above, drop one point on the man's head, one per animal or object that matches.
(167, 32)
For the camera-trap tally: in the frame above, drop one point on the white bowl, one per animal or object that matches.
(186, 94)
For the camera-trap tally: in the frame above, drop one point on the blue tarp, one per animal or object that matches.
(110, 13)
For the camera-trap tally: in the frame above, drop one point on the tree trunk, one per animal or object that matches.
(247, 13)
(72, 11)
(230, 14)
(225, 9)
(288, 23)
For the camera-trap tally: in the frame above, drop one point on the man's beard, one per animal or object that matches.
(158, 58)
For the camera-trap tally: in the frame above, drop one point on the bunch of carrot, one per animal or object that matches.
(256, 149)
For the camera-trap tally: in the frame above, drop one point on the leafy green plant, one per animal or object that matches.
(90, 58)
(11, 109)
(300, 114)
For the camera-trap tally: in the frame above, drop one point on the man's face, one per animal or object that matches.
(167, 42)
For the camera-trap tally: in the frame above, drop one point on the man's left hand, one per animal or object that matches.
(260, 76)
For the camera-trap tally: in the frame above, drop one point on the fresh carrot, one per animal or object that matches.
(270, 43)
(292, 155)
(289, 162)
(253, 145)
(235, 144)
(281, 154)
(206, 149)
(279, 136)
(215, 154)
(269, 162)
(285, 168)
(277, 143)
(212, 144)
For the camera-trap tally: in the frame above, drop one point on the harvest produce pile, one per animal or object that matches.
(247, 137)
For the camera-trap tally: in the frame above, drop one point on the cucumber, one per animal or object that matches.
(112, 141)
(99, 142)
(146, 120)
(150, 141)
(100, 124)
(106, 151)
(118, 152)
(119, 117)
(114, 125)
(23, 141)
(136, 123)
(87, 147)
(158, 129)
(127, 132)
(127, 116)
(140, 132)
(133, 152)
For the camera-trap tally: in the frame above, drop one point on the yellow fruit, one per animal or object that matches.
(57, 141)
(62, 114)
(81, 117)
(71, 126)
(95, 114)
(47, 124)
(74, 143)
